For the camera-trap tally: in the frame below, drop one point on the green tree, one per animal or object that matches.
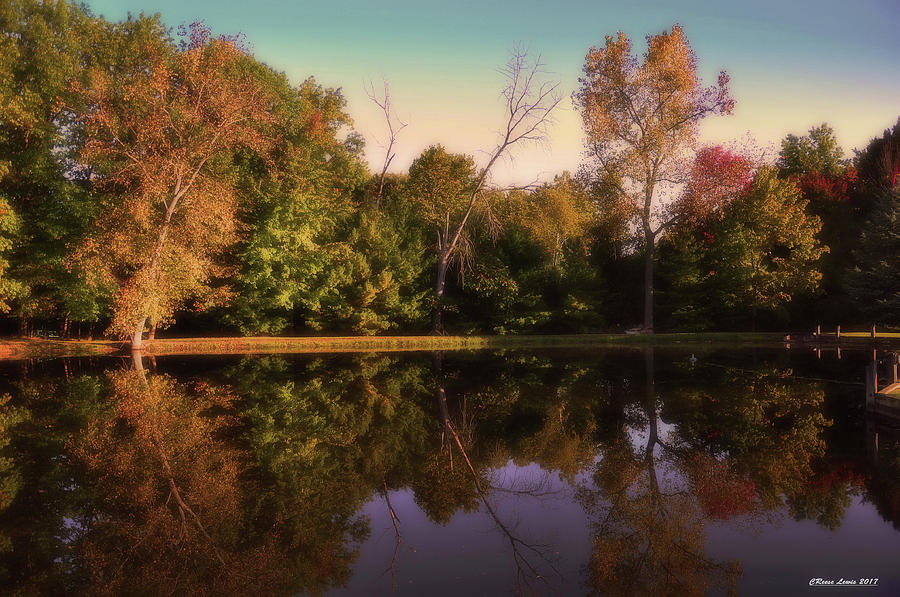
(718, 176)
(43, 190)
(528, 106)
(879, 162)
(766, 246)
(819, 151)
(557, 213)
(313, 250)
(874, 282)
(830, 185)
(441, 184)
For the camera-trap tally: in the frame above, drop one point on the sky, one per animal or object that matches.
(793, 63)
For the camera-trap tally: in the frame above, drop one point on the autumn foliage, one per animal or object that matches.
(640, 120)
(716, 177)
(159, 133)
(150, 179)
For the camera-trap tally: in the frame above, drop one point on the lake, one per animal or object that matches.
(631, 471)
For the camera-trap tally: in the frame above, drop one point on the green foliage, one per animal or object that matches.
(10, 288)
(686, 282)
(440, 182)
(874, 283)
(758, 256)
(310, 251)
(818, 151)
(767, 246)
(46, 205)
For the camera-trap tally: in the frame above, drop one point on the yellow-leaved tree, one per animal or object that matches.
(641, 120)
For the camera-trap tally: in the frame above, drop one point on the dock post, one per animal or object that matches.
(871, 440)
(818, 330)
(871, 384)
(873, 330)
(838, 333)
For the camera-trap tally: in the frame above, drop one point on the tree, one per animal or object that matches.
(441, 184)
(314, 253)
(557, 213)
(44, 194)
(817, 152)
(718, 176)
(641, 119)
(10, 288)
(157, 127)
(874, 283)
(830, 186)
(767, 247)
(529, 106)
(879, 162)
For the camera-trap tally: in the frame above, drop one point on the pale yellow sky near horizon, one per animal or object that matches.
(760, 119)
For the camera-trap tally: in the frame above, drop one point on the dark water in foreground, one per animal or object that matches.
(620, 472)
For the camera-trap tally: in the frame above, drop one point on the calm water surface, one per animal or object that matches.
(614, 472)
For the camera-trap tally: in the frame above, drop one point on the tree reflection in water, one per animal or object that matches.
(533, 562)
(252, 478)
(648, 517)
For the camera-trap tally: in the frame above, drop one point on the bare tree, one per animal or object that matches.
(394, 128)
(398, 536)
(529, 558)
(529, 104)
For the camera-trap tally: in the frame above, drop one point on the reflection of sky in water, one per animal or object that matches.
(471, 556)
(598, 420)
(789, 553)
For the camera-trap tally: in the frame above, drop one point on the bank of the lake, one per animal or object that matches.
(31, 348)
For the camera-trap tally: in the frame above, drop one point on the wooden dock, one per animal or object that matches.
(883, 401)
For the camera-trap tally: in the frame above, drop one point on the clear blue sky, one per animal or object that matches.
(793, 63)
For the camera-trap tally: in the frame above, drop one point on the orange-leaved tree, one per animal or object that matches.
(641, 121)
(159, 129)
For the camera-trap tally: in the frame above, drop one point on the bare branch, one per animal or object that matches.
(529, 113)
(384, 102)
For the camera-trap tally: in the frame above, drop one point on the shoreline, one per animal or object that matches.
(30, 348)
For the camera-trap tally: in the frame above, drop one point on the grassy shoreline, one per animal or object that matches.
(27, 348)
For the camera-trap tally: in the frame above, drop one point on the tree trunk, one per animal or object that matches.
(152, 333)
(437, 324)
(138, 335)
(649, 242)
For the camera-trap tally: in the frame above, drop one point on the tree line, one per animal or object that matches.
(152, 178)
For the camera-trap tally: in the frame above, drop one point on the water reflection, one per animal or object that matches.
(263, 475)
